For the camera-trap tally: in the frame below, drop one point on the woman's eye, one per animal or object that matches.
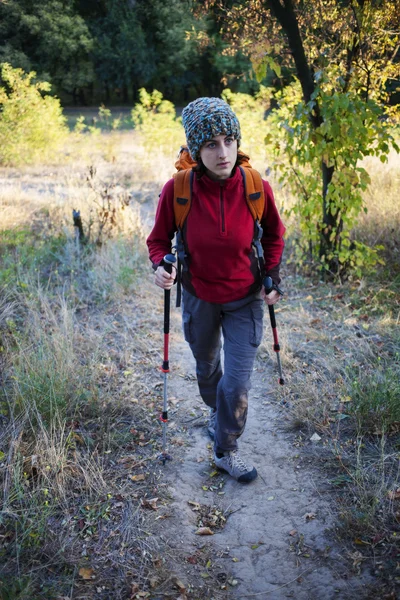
(229, 140)
(211, 145)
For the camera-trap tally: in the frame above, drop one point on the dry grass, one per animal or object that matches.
(76, 420)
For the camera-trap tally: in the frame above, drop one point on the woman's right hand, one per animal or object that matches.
(164, 279)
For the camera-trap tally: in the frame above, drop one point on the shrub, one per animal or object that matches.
(155, 119)
(32, 126)
(251, 114)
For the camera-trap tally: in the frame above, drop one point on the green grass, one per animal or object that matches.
(375, 398)
(26, 254)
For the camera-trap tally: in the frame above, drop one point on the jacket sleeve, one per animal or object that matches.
(159, 240)
(272, 240)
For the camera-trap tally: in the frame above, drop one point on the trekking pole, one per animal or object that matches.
(168, 261)
(269, 285)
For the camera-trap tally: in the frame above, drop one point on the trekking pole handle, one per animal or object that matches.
(167, 262)
(269, 286)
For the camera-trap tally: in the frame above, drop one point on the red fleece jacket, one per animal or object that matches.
(218, 234)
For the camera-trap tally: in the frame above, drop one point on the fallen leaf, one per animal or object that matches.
(137, 477)
(204, 531)
(361, 542)
(181, 586)
(194, 505)
(270, 498)
(233, 582)
(192, 560)
(315, 438)
(86, 573)
(129, 462)
(151, 503)
(255, 546)
(235, 559)
(309, 516)
(357, 558)
(293, 532)
(2, 455)
(214, 473)
(205, 575)
(315, 322)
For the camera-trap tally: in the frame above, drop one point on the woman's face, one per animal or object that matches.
(219, 156)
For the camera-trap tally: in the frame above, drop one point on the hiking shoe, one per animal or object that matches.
(211, 423)
(232, 463)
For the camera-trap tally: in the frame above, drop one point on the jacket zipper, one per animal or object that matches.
(221, 199)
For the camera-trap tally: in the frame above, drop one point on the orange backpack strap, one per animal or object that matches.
(254, 191)
(255, 198)
(182, 196)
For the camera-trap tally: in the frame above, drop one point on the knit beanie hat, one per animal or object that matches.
(205, 118)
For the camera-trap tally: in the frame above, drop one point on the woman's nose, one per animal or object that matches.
(222, 151)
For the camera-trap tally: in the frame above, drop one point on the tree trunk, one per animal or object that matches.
(286, 16)
(329, 220)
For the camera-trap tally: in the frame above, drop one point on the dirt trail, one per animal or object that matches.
(275, 543)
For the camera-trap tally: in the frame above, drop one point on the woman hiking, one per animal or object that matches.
(222, 279)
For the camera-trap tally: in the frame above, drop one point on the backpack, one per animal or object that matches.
(183, 183)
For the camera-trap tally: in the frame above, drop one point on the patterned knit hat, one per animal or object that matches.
(205, 118)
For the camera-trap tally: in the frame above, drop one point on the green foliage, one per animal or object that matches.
(250, 111)
(351, 128)
(32, 126)
(155, 119)
(25, 256)
(376, 399)
(16, 588)
(48, 37)
(120, 52)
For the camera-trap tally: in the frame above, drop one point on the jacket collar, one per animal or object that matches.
(213, 186)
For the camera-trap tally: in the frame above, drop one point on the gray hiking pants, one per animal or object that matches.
(241, 325)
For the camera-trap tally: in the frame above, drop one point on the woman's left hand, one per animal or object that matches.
(272, 298)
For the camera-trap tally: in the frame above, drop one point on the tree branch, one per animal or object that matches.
(288, 21)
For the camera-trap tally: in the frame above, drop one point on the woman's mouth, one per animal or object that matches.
(223, 164)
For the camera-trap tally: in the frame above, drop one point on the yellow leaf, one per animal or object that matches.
(204, 531)
(86, 573)
(137, 477)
